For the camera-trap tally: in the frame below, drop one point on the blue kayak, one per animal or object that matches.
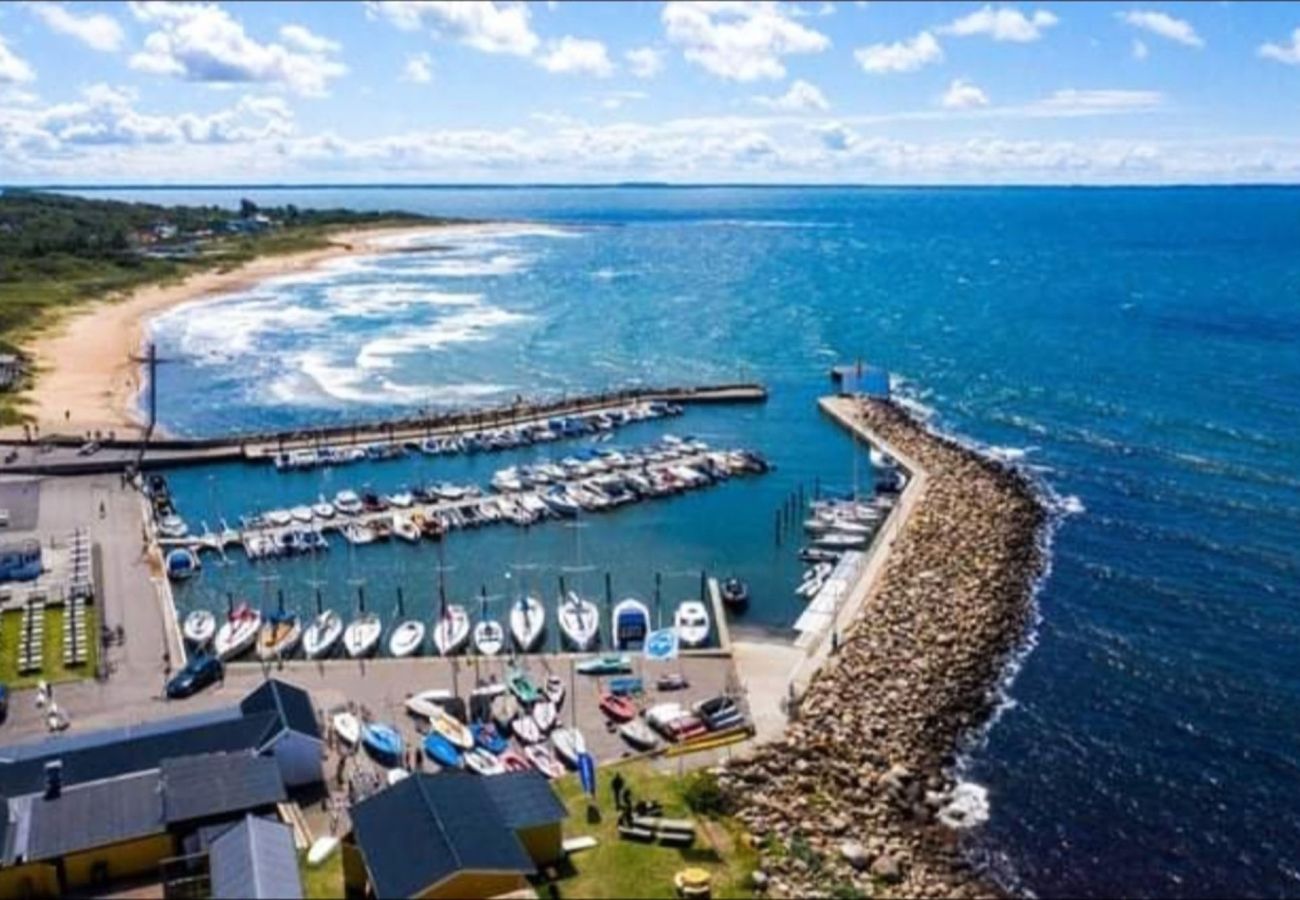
(383, 742)
(487, 737)
(441, 751)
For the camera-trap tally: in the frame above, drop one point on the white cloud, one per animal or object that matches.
(305, 39)
(489, 27)
(13, 68)
(202, 42)
(742, 41)
(961, 94)
(1087, 101)
(570, 55)
(1288, 54)
(901, 56)
(1002, 24)
(98, 31)
(1162, 24)
(1140, 50)
(418, 68)
(617, 99)
(801, 97)
(645, 62)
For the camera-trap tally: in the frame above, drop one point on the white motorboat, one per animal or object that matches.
(279, 517)
(569, 745)
(407, 530)
(347, 727)
(323, 509)
(347, 503)
(356, 533)
(200, 625)
(238, 633)
(838, 540)
(692, 623)
(426, 703)
(527, 623)
(362, 635)
(544, 714)
(451, 630)
(173, 526)
(579, 621)
(639, 735)
(489, 637)
(406, 639)
(401, 500)
(630, 622)
(322, 634)
(301, 514)
(280, 636)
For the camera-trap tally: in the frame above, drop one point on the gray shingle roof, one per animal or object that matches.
(196, 787)
(291, 704)
(94, 815)
(256, 858)
(525, 799)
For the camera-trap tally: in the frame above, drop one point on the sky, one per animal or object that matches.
(688, 92)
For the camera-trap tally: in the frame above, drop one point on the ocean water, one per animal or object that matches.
(1135, 349)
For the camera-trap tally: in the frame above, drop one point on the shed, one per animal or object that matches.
(256, 858)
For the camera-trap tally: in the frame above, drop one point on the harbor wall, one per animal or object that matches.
(858, 790)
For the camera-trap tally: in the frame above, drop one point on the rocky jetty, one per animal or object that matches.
(852, 799)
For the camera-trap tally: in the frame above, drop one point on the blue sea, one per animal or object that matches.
(1137, 350)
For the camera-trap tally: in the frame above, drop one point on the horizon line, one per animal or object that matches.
(638, 185)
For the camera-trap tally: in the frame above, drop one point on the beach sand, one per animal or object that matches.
(87, 371)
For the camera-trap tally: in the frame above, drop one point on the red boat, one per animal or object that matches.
(514, 762)
(620, 709)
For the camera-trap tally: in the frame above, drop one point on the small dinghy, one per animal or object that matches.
(382, 742)
(483, 763)
(347, 727)
(199, 628)
(427, 703)
(605, 665)
(544, 760)
(441, 751)
(362, 635)
(504, 710)
(238, 633)
(322, 849)
(513, 762)
(630, 622)
(522, 687)
(735, 595)
(489, 637)
(569, 745)
(526, 730)
(639, 735)
(281, 633)
(554, 690)
(451, 728)
(451, 630)
(672, 681)
(545, 715)
(182, 563)
(406, 529)
(322, 634)
(527, 623)
(579, 622)
(486, 737)
(620, 709)
(692, 623)
(406, 639)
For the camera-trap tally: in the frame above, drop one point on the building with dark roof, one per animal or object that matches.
(255, 859)
(453, 834)
(81, 811)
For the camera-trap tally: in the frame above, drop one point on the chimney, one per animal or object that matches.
(53, 779)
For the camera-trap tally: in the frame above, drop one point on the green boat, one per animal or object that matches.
(523, 688)
(606, 665)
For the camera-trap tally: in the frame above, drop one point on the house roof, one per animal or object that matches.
(262, 716)
(210, 784)
(94, 815)
(428, 827)
(256, 858)
(524, 799)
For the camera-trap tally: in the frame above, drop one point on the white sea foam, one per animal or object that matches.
(383, 299)
(1009, 454)
(235, 327)
(967, 806)
(474, 324)
(471, 267)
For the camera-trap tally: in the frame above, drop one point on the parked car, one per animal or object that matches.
(4, 702)
(201, 671)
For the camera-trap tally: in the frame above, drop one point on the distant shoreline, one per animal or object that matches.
(86, 378)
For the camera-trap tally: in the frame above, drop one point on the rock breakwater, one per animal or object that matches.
(851, 798)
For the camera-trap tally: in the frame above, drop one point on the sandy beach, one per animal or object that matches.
(87, 379)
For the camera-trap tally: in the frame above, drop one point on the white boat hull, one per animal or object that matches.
(236, 638)
(362, 636)
(451, 631)
(527, 623)
(580, 622)
(489, 638)
(321, 635)
(406, 639)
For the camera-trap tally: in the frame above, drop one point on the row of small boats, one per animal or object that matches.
(481, 440)
(280, 635)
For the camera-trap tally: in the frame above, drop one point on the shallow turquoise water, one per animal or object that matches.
(1139, 347)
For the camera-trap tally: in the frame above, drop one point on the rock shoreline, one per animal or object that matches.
(849, 799)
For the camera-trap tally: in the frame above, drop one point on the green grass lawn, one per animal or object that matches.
(54, 671)
(618, 868)
(324, 882)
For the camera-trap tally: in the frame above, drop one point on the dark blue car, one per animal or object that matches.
(198, 673)
(4, 702)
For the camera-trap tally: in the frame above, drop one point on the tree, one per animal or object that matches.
(247, 208)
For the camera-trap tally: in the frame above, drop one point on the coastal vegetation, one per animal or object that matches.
(58, 251)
